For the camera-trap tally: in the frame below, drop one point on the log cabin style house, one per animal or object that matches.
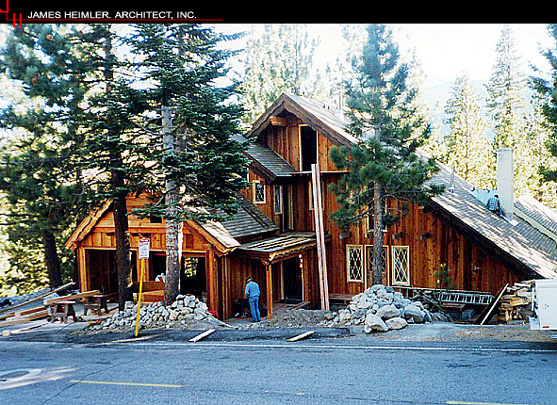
(272, 238)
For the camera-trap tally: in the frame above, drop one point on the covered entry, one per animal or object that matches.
(288, 261)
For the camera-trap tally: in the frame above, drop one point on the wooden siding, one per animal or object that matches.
(431, 241)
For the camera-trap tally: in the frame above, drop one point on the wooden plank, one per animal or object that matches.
(301, 336)
(29, 311)
(17, 331)
(52, 301)
(24, 319)
(202, 335)
(320, 236)
(278, 121)
(40, 297)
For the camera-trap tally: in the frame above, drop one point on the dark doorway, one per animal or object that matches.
(102, 270)
(192, 276)
(308, 138)
(157, 265)
(292, 280)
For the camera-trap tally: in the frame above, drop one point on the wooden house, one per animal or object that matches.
(273, 239)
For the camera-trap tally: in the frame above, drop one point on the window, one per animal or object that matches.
(401, 265)
(310, 198)
(310, 193)
(258, 192)
(384, 258)
(370, 216)
(308, 148)
(190, 266)
(278, 198)
(355, 262)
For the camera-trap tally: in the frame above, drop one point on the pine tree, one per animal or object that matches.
(546, 88)
(278, 61)
(506, 89)
(199, 166)
(90, 113)
(512, 122)
(385, 162)
(466, 147)
(39, 183)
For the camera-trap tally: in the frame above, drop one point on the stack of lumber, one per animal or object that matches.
(516, 302)
(22, 313)
(24, 316)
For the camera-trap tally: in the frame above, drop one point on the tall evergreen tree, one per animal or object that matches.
(199, 167)
(90, 114)
(505, 90)
(466, 147)
(37, 177)
(546, 88)
(278, 61)
(385, 163)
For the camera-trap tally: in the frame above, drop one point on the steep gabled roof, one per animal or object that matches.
(525, 243)
(529, 242)
(248, 221)
(328, 121)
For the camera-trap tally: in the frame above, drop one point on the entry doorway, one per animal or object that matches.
(192, 276)
(292, 280)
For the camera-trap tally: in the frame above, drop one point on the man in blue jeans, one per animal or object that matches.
(252, 292)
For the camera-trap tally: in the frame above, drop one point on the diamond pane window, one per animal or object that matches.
(258, 192)
(355, 262)
(401, 265)
(369, 258)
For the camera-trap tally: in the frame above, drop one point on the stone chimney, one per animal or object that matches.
(505, 181)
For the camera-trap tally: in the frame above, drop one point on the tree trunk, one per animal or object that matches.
(173, 227)
(118, 184)
(121, 231)
(377, 235)
(51, 259)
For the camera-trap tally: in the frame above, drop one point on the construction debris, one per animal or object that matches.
(202, 335)
(301, 336)
(516, 303)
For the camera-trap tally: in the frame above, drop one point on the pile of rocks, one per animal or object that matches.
(380, 308)
(187, 312)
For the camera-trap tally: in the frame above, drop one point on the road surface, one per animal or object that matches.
(311, 371)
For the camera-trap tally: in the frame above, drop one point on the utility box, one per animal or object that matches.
(544, 305)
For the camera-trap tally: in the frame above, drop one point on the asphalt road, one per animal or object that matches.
(313, 371)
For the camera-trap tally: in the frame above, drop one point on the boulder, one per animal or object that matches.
(388, 311)
(374, 323)
(396, 323)
(413, 312)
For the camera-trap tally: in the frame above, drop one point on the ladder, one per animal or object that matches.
(459, 297)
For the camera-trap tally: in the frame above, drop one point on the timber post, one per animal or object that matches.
(269, 281)
(212, 284)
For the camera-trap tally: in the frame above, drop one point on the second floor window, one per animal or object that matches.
(258, 192)
(278, 199)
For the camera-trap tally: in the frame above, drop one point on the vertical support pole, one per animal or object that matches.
(320, 236)
(141, 276)
(269, 280)
(212, 280)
